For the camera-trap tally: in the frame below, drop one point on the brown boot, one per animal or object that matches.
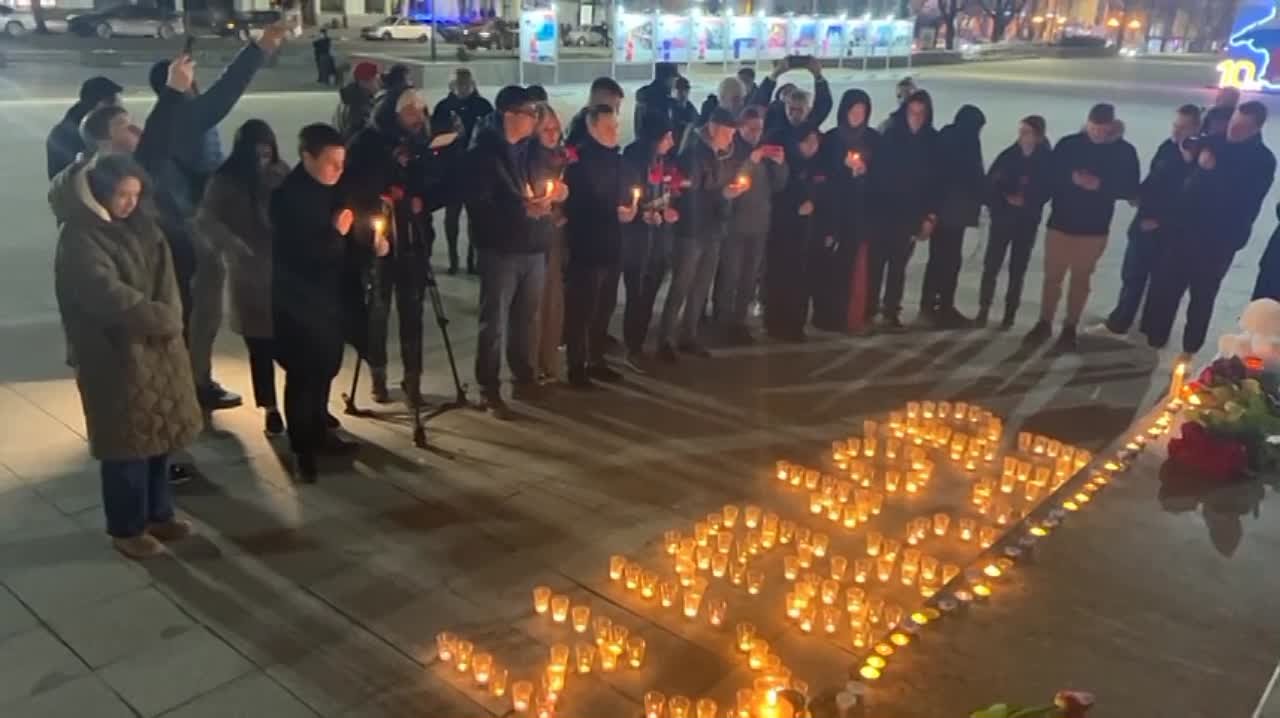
(171, 530)
(138, 547)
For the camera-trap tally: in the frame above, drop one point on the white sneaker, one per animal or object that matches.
(1102, 330)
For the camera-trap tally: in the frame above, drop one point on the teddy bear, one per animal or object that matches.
(1259, 335)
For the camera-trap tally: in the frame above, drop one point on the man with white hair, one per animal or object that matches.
(794, 107)
(390, 184)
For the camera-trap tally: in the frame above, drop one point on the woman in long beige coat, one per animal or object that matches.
(122, 314)
(233, 219)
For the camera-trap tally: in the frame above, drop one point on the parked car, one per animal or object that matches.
(398, 28)
(491, 35)
(450, 30)
(587, 36)
(16, 23)
(249, 25)
(126, 21)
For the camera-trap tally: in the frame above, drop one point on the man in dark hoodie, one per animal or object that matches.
(604, 91)
(602, 199)
(655, 99)
(179, 183)
(848, 151)
(1017, 190)
(1217, 117)
(1157, 201)
(1092, 169)
(503, 205)
(962, 172)
(790, 115)
(461, 111)
(65, 142)
(710, 169)
(1215, 214)
(905, 180)
(355, 100)
(393, 181)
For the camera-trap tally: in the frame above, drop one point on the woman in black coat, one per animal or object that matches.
(961, 175)
(799, 239)
(1017, 190)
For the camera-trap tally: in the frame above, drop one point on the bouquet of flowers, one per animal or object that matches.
(1066, 704)
(1233, 426)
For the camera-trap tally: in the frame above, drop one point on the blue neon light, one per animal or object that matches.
(1254, 36)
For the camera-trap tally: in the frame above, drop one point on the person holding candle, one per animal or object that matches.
(647, 242)
(711, 180)
(548, 160)
(313, 233)
(765, 169)
(799, 237)
(504, 206)
(600, 202)
(840, 281)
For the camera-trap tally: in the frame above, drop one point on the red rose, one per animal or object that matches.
(571, 154)
(1216, 457)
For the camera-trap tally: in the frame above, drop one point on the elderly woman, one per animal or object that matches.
(122, 314)
(547, 160)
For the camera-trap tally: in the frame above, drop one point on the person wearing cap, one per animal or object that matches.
(64, 142)
(503, 204)
(709, 168)
(180, 179)
(460, 111)
(355, 100)
(655, 99)
(1092, 169)
(601, 201)
(393, 181)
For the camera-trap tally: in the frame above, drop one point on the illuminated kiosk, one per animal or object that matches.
(1254, 36)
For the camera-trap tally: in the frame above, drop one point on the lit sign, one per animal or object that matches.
(1254, 37)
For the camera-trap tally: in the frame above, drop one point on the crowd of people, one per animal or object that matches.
(744, 201)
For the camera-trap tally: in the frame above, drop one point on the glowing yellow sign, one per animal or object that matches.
(1238, 73)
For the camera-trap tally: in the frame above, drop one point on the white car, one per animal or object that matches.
(398, 28)
(17, 23)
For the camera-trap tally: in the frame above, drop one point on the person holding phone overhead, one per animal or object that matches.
(799, 110)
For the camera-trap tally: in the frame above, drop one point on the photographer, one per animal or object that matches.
(392, 184)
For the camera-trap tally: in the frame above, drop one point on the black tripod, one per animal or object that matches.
(413, 403)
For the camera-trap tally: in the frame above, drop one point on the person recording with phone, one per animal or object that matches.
(393, 181)
(797, 111)
(313, 235)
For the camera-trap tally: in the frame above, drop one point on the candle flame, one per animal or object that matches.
(771, 698)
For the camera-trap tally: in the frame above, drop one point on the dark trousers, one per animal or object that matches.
(644, 267)
(309, 347)
(786, 287)
(452, 227)
(1014, 237)
(741, 254)
(1184, 269)
(403, 276)
(326, 69)
(1140, 256)
(306, 402)
(262, 369)
(511, 288)
(942, 272)
(136, 492)
(889, 257)
(591, 295)
(831, 279)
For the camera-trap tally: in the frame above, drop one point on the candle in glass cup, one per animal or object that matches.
(706, 708)
(608, 659)
(719, 565)
(580, 616)
(816, 506)
(717, 608)
(498, 682)
(667, 591)
(559, 608)
(861, 637)
(986, 536)
(758, 653)
(786, 532)
(541, 599)
(482, 668)
(751, 516)
(730, 514)
(585, 653)
(804, 556)
(808, 616)
(631, 576)
(654, 704)
(559, 656)
(521, 695)
(830, 592)
(821, 542)
(875, 541)
(861, 570)
(702, 558)
(602, 627)
(746, 633)
(724, 541)
(445, 646)
(678, 707)
(884, 569)
(877, 502)
(755, 581)
(462, 656)
(618, 564)
(635, 651)
(941, 523)
(692, 602)
(737, 573)
(794, 604)
(701, 533)
(875, 610)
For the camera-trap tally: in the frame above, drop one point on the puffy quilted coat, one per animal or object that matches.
(120, 308)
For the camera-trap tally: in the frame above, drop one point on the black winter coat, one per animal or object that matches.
(494, 188)
(807, 182)
(851, 215)
(1080, 211)
(704, 212)
(962, 171)
(775, 119)
(906, 178)
(1015, 173)
(1158, 195)
(598, 185)
(467, 111)
(1217, 208)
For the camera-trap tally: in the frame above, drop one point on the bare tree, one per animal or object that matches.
(1002, 13)
(949, 10)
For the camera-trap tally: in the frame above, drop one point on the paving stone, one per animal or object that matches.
(249, 696)
(344, 672)
(84, 696)
(67, 570)
(422, 695)
(174, 671)
(126, 625)
(14, 617)
(34, 662)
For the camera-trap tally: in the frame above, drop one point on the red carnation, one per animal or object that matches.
(570, 154)
(1216, 457)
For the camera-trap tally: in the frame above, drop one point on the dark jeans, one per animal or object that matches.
(452, 227)
(693, 269)
(510, 293)
(136, 492)
(644, 267)
(262, 369)
(740, 257)
(591, 295)
(404, 277)
(1015, 237)
(942, 272)
(1184, 270)
(1139, 260)
(311, 353)
(786, 286)
(889, 257)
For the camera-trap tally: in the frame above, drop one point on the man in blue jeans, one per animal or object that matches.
(502, 205)
(709, 167)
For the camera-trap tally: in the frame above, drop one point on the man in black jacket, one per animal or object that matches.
(655, 100)
(1157, 201)
(601, 200)
(1092, 170)
(604, 91)
(502, 204)
(788, 115)
(65, 141)
(1215, 214)
(460, 111)
(393, 183)
(961, 177)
